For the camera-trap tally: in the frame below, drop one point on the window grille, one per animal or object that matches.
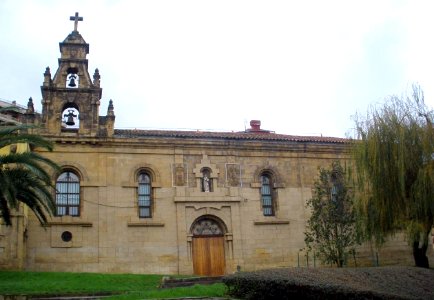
(144, 196)
(205, 227)
(334, 193)
(267, 196)
(68, 194)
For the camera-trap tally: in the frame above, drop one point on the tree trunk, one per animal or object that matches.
(419, 254)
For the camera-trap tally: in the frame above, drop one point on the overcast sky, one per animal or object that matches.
(301, 67)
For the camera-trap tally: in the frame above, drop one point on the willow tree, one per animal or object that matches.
(394, 159)
(23, 174)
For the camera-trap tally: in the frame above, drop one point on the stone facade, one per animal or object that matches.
(108, 236)
(188, 209)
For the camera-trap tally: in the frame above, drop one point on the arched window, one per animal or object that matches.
(144, 195)
(206, 180)
(68, 194)
(267, 195)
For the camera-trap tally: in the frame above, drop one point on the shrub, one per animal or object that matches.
(325, 283)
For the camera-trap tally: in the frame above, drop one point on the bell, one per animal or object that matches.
(70, 120)
(72, 82)
(70, 117)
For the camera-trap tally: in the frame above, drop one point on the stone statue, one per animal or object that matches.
(206, 183)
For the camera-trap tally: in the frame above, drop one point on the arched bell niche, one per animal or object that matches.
(72, 78)
(70, 116)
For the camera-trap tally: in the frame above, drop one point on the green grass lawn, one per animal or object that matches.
(124, 286)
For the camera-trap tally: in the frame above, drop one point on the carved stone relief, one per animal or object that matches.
(233, 175)
(179, 174)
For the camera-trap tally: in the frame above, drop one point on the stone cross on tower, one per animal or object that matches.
(76, 18)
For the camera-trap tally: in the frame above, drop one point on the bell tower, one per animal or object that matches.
(71, 99)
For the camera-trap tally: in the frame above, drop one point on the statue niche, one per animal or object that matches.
(206, 180)
(206, 175)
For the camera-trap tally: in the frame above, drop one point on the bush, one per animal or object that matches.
(325, 283)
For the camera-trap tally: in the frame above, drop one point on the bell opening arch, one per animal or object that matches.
(70, 116)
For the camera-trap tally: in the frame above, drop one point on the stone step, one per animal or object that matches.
(170, 282)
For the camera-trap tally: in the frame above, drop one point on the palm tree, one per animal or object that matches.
(23, 177)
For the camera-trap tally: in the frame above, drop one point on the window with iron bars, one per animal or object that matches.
(68, 194)
(144, 194)
(267, 195)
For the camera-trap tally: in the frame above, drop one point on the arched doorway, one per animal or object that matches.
(208, 246)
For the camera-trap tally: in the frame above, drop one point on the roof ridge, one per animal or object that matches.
(242, 135)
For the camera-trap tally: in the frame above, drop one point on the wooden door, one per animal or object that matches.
(209, 255)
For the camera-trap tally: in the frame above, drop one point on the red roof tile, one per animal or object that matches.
(136, 133)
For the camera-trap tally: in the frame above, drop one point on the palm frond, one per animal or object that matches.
(25, 177)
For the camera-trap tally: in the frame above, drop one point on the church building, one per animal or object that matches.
(163, 201)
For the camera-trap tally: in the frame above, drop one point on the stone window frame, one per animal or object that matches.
(132, 184)
(275, 184)
(154, 175)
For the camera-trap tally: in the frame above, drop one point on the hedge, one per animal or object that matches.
(329, 283)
